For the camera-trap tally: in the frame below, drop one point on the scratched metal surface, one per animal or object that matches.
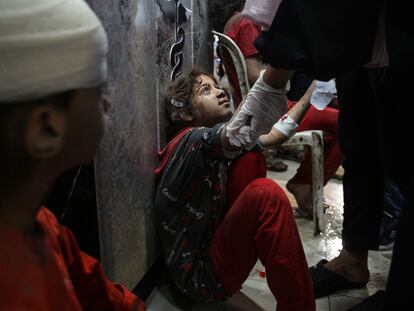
(140, 40)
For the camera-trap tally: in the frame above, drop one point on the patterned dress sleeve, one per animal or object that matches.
(189, 201)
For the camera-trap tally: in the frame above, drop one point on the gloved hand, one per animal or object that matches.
(261, 11)
(264, 105)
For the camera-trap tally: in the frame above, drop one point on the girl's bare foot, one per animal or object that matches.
(303, 197)
(352, 266)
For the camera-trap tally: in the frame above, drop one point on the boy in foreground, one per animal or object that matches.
(52, 66)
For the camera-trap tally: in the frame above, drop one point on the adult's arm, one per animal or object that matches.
(297, 112)
(254, 66)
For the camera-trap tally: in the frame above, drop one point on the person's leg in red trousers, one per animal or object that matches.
(327, 121)
(301, 184)
(260, 224)
(242, 171)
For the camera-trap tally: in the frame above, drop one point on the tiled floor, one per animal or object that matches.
(255, 294)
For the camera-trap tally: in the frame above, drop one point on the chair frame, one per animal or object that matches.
(313, 138)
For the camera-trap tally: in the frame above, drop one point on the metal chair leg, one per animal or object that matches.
(314, 139)
(317, 183)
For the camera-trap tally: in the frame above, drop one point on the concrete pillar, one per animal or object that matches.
(141, 35)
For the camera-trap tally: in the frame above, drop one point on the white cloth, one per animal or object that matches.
(323, 93)
(264, 105)
(287, 126)
(49, 46)
(261, 11)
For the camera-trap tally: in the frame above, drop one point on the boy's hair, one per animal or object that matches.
(178, 97)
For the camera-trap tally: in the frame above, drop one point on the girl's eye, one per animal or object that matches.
(205, 90)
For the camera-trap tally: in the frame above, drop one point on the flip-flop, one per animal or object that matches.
(327, 282)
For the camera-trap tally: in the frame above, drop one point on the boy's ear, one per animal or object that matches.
(45, 131)
(185, 115)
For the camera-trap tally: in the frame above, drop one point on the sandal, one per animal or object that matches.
(327, 282)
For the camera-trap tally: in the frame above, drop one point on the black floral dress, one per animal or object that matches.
(190, 197)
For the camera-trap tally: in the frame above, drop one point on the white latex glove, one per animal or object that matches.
(261, 11)
(264, 105)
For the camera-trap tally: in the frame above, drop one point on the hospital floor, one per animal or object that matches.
(255, 294)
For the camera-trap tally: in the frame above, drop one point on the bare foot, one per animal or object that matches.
(303, 196)
(351, 265)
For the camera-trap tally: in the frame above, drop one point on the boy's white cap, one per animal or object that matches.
(49, 46)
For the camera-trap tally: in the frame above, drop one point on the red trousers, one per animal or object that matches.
(327, 121)
(259, 224)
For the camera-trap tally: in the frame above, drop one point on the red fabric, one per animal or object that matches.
(244, 33)
(260, 224)
(165, 153)
(327, 121)
(237, 182)
(232, 77)
(47, 271)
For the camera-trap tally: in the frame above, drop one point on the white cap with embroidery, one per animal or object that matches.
(49, 46)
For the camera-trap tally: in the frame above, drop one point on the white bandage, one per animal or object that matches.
(286, 125)
(49, 46)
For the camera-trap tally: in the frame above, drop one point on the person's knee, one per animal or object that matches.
(252, 157)
(267, 189)
(251, 164)
(271, 200)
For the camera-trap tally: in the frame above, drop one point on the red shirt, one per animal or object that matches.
(243, 32)
(47, 271)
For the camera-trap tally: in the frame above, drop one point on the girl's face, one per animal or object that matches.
(210, 102)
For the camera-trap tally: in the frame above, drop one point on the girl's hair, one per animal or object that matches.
(178, 97)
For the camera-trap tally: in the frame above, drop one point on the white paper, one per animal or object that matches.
(323, 94)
